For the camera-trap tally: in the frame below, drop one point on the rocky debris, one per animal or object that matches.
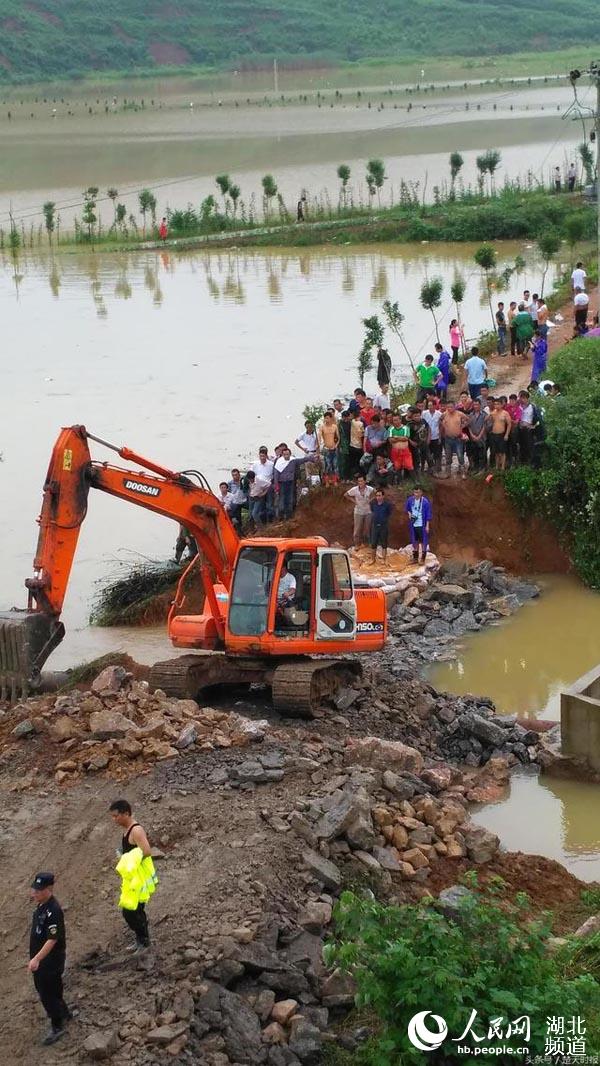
(398, 837)
(451, 900)
(101, 1043)
(23, 729)
(119, 721)
(462, 599)
(382, 754)
(589, 928)
(322, 869)
(111, 679)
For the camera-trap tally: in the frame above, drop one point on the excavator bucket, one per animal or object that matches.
(26, 640)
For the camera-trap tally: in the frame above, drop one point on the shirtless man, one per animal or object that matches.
(133, 837)
(500, 426)
(451, 428)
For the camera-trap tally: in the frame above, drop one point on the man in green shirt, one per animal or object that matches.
(427, 376)
(523, 326)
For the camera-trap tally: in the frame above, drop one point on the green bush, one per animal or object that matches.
(494, 960)
(567, 488)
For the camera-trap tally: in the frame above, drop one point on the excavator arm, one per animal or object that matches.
(28, 637)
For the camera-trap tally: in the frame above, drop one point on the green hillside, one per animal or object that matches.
(57, 38)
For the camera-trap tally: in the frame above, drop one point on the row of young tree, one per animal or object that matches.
(432, 295)
(230, 209)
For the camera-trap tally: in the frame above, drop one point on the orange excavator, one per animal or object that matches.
(277, 611)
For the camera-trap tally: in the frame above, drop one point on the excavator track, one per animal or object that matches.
(299, 688)
(186, 676)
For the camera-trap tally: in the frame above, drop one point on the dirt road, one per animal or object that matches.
(220, 864)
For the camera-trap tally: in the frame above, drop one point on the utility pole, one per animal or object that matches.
(275, 77)
(595, 74)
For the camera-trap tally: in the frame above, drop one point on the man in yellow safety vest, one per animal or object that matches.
(137, 873)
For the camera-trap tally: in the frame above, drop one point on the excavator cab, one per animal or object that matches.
(291, 597)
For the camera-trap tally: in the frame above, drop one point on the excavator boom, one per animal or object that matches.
(27, 637)
(276, 609)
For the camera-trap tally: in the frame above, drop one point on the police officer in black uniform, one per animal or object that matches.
(47, 951)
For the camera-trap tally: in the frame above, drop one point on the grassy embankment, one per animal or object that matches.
(311, 75)
(513, 213)
(566, 490)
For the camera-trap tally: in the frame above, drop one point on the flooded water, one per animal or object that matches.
(542, 816)
(177, 149)
(525, 662)
(194, 360)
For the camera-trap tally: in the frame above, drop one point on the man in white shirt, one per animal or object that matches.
(382, 401)
(261, 491)
(581, 303)
(572, 177)
(578, 277)
(286, 590)
(225, 496)
(432, 417)
(361, 497)
(307, 441)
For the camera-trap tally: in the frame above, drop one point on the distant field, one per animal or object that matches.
(368, 72)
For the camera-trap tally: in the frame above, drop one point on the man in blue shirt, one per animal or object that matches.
(418, 509)
(381, 510)
(475, 372)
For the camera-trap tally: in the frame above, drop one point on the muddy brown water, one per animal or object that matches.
(523, 664)
(177, 149)
(193, 360)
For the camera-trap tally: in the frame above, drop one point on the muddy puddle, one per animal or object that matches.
(523, 664)
(542, 816)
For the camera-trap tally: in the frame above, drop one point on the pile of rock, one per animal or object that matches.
(463, 600)
(119, 721)
(266, 997)
(470, 732)
(239, 999)
(461, 728)
(396, 821)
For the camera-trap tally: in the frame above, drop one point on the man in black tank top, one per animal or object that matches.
(133, 837)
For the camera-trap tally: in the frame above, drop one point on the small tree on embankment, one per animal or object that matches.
(566, 488)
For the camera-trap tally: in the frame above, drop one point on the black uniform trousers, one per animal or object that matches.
(49, 987)
(137, 921)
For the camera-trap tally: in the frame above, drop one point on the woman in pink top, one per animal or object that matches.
(456, 335)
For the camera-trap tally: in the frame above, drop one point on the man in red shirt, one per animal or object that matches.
(514, 409)
(367, 411)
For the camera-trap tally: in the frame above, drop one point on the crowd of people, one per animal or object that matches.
(377, 443)
(368, 439)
